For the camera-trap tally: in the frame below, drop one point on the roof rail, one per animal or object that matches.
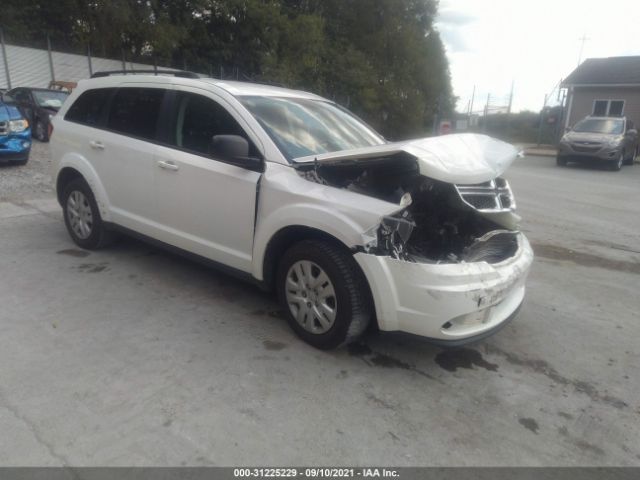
(175, 73)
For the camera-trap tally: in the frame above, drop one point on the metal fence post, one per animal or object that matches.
(5, 59)
(89, 59)
(53, 74)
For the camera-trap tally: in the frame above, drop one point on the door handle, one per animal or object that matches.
(96, 145)
(166, 165)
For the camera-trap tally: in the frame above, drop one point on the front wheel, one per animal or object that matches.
(82, 217)
(561, 162)
(617, 165)
(323, 294)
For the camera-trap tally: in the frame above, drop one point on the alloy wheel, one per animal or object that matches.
(311, 297)
(79, 214)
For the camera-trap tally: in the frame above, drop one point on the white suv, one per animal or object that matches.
(293, 192)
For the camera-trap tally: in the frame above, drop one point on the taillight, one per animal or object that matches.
(50, 129)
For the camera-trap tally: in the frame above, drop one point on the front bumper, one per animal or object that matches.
(15, 146)
(600, 152)
(449, 303)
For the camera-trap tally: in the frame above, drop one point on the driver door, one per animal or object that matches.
(205, 205)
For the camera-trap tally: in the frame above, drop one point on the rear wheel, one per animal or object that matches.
(82, 217)
(323, 294)
(40, 131)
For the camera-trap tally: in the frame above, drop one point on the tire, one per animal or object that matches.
(40, 131)
(617, 165)
(20, 162)
(632, 158)
(561, 162)
(351, 302)
(77, 197)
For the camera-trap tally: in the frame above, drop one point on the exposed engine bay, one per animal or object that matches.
(439, 222)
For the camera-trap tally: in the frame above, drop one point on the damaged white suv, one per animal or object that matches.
(292, 191)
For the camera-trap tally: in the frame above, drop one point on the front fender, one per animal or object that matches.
(285, 199)
(82, 166)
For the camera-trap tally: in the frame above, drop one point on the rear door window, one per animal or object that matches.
(136, 112)
(90, 107)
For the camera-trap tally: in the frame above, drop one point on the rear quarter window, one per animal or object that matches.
(89, 107)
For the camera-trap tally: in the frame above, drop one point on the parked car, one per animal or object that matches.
(613, 140)
(293, 192)
(38, 105)
(62, 85)
(15, 135)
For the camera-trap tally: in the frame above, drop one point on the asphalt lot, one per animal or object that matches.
(133, 356)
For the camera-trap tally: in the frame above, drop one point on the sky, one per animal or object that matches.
(532, 43)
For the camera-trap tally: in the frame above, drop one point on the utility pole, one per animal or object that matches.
(486, 113)
(582, 39)
(473, 96)
(541, 120)
(510, 97)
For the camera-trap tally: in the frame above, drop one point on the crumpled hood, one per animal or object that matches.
(461, 158)
(9, 112)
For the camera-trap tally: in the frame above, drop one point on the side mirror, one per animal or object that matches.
(234, 149)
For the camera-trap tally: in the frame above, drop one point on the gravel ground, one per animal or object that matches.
(29, 181)
(134, 356)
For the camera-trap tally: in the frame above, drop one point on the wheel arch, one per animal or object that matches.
(288, 236)
(282, 240)
(73, 167)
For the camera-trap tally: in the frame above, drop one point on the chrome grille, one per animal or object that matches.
(493, 196)
(4, 128)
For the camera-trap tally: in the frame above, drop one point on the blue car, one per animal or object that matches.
(15, 135)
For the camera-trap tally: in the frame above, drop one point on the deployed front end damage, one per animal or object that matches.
(451, 263)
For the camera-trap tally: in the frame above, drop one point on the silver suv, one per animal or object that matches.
(608, 139)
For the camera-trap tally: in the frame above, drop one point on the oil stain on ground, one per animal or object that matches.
(273, 345)
(74, 252)
(452, 360)
(530, 424)
(554, 252)
(544, 368)
(92, 267)
(382, 360)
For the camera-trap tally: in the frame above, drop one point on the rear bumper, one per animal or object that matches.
(451, 304)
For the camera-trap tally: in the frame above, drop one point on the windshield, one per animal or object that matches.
(609, 126)
(49, 99)
(302, 127)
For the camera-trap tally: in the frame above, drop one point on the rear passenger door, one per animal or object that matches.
(124, 155)
(206, 206)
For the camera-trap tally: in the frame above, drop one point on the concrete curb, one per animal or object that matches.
(540, 152)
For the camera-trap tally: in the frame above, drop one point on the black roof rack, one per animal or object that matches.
(175, 73)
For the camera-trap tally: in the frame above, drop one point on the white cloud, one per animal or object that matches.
(491, 43)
